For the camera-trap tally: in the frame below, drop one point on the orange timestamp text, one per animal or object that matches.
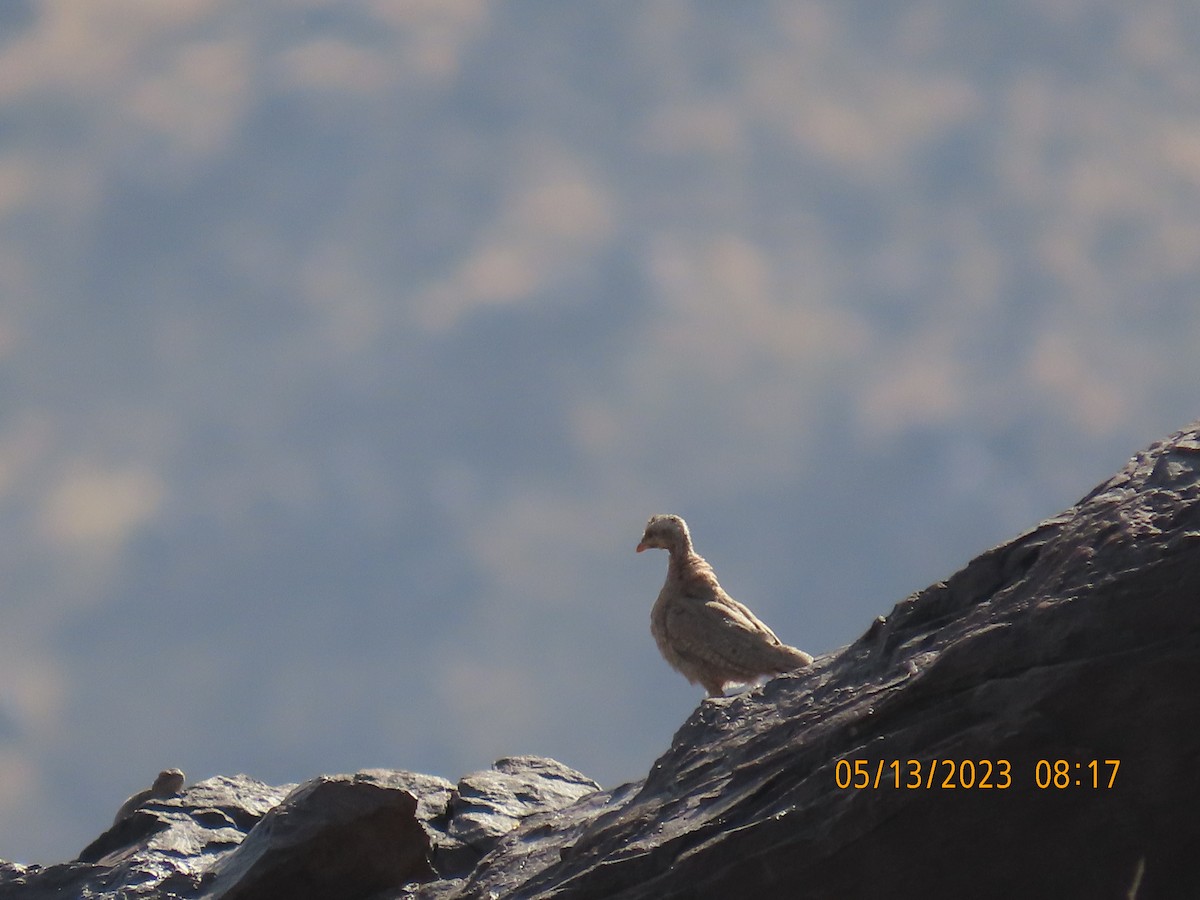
(970, 774)
(923, 774)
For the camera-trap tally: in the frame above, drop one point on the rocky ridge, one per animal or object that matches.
(1024, 728)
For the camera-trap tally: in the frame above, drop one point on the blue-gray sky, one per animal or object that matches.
(346, 347)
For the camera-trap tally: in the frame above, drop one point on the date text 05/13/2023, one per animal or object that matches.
(972, 774)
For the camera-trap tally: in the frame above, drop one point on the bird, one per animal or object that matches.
(168, 784)
(702, 632)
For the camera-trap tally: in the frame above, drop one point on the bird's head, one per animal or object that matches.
(665, 532)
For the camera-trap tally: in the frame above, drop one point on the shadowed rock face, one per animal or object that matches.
(358, 832)
(1078, 641)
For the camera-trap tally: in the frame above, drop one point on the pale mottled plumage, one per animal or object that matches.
(703, 632)
(168, 783)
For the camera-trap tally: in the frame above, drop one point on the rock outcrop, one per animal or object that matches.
(1025, 728)
(342, 836)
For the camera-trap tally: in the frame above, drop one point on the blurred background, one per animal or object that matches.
(346, 348)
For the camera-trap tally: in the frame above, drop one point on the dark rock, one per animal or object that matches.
(488, 805)
(542, 841)
(202, 823)
(10, 871)
(433, 799)
(1078, 642)
(347, 836)
(240, 801)
(168, 845)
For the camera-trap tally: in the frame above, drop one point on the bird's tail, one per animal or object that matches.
(790, 658)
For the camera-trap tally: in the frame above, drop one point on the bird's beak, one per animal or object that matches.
(641, 546)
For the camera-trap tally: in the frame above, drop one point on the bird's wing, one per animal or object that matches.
(718, 632)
